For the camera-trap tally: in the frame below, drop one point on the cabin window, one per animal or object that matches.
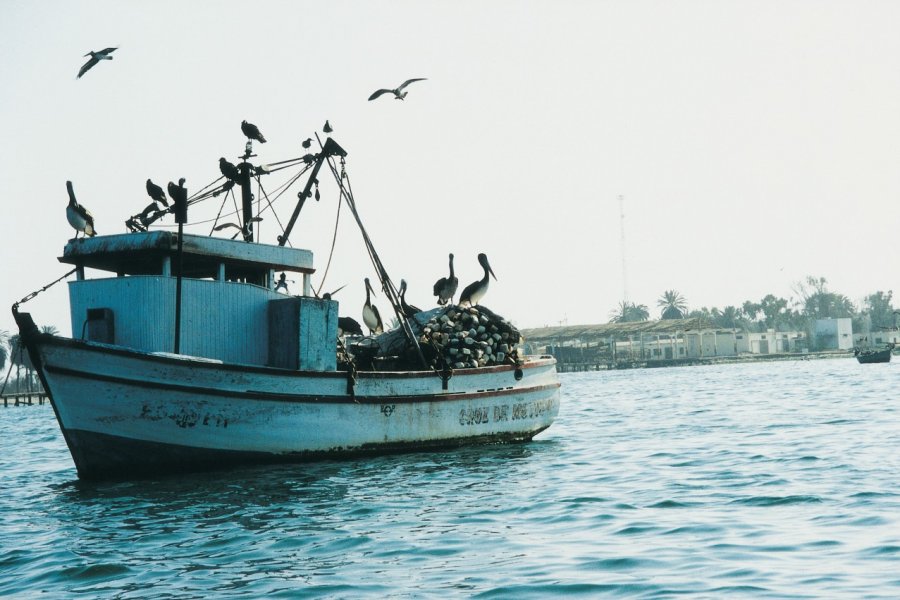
(100, 326)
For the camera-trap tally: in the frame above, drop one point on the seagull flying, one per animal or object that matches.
(156, 193)
(252, 132)
(95, 58)
(398, 93)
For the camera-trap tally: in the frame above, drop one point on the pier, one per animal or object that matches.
(24, 398)
(664, 343)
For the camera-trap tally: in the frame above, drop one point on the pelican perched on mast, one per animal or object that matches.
(476, 290)
(370, 312)
(445, 287)
(408, 309)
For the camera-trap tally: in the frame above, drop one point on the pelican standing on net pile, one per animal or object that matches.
(78, 216)
(445, 287)
(398, 92)
(408, 309)
(95, 58)
(370, 312)
(476, 290)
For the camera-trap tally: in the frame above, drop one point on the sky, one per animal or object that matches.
(753, 143)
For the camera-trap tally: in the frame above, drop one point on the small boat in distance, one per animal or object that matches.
(185, 355)
(872, 355)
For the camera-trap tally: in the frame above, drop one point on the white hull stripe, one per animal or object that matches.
(310, 398)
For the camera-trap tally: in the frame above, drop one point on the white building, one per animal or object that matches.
(833, 334)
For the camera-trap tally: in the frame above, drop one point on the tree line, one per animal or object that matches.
(814, 300)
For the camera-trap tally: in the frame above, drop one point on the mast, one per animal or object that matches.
(245, 169)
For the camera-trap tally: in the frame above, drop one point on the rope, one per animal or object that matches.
(269, 203)
(337, 220)
(221, 208)
(46, 287)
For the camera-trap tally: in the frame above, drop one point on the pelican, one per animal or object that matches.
(408, 309)
(252, 132)
(445, 287)
(95, 58)
(156, 193)
(78, 216)
(476, 290)
(370, 312)
(398, 92)
(348, 326)
(327, 128)
(229, 170)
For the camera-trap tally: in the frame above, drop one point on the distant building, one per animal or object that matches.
(833, 334)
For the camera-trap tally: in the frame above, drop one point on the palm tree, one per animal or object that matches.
(4, 349)
(629, 312)
(673, 304)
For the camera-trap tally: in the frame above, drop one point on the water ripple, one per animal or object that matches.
(720, 481)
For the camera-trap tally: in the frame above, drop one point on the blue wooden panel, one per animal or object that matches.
(222, 320)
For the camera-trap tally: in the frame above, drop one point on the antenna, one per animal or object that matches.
(622, 242)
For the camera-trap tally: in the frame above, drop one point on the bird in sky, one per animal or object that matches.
(476, 290)
(252, 132)
(95, 58)
(306, 143)
(78, 216)
(327, 128)
(445, 287)
(398, 92)
(157, 193)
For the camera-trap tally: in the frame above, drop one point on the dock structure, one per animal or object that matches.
(24, 398)
(667, 342)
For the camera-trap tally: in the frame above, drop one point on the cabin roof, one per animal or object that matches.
(141, 253)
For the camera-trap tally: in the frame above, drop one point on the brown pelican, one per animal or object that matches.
(408, 309)
(398, 93)
(252, 132)
(445, 287)
(78, 216)
(156, 193)
(476, 290)
(370, 312)
(348, 326)
(95, 58)
(229, 170)
(327, 128)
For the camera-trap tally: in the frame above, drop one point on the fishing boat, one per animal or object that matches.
(185, 357)
(874, 355)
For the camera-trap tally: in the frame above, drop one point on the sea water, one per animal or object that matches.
(753, 480)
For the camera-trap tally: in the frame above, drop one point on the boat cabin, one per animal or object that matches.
(230, 309)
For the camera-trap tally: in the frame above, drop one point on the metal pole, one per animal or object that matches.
(180, 263)
(247, 200)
